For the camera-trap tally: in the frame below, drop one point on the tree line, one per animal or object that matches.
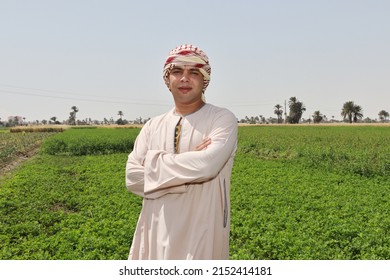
(350, 112)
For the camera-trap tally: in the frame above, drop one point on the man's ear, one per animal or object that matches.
(168, 85)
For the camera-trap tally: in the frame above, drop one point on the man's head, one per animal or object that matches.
(188, 55)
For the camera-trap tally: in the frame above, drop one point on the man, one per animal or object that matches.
(181, 165)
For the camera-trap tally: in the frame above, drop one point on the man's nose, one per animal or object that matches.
(185, 76)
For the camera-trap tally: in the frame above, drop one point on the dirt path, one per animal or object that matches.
(10, 164)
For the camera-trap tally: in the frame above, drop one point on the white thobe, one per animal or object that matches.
(186, 197)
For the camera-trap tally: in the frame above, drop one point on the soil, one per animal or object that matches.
(10, 164)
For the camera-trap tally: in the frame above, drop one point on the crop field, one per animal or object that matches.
(311, 193)
(298, 192)
(18, 144)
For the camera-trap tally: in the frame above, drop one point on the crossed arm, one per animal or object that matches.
(153, 173)
(203, 145)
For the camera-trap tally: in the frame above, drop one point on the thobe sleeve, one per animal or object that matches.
(164, 170)
(134, 166)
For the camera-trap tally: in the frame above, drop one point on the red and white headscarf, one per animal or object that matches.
(188, 55)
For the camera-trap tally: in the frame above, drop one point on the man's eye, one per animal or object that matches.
(195, 72)
(176, 71)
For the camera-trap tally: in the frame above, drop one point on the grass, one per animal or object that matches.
(319, 193)
(13, 145)
(297, 193)
(72, 208)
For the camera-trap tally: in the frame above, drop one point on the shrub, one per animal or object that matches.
(99, 141)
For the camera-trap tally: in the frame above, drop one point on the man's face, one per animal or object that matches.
(186, 84)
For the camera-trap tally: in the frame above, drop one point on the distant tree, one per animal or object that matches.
(72, 115)
(262, 119)
(351, 111)
(120, 113)
(383, 115)
(357, 113)
(75, 110)
(347, 111)
(14, 121)
(251, 120)
(278, 111)
(368, 120)
(54, 120)
(271, 120)
(121, 121)
(317, 117)
(72, 118)
(296, 110)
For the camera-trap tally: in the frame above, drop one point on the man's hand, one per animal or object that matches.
(203, 145)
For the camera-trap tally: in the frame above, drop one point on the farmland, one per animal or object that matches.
(17, 145)
(298, 192)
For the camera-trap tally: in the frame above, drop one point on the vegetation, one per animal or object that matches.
(351, 111)
(317, 117)
(85, 141)
(296, 110)
(24, 129)
(318, 193)
(298, 192)
(19, 145)
(278, 112)
(383, 115)
(72, 115)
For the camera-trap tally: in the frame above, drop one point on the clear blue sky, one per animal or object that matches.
(105, 56)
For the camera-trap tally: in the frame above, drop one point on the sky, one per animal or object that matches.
(107, 56)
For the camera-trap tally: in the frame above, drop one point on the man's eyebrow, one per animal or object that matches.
(191, 68)
(177, 67)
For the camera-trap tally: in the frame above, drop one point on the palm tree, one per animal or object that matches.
(351, 111)
(383, 115)
(296, 110)
(72, 116)
(75, 110)
(250, 120)
(347, 110)
(279, 112)
(357, 113)
(317, 117)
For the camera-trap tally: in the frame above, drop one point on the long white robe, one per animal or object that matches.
(186, 206)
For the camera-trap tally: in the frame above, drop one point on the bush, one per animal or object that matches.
(99, 141)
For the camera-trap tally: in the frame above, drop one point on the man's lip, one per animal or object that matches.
(185, 89)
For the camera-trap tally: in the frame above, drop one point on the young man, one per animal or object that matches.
(181, 165)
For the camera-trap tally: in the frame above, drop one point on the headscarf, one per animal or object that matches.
(188, 55)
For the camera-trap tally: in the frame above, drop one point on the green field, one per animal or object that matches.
(18, 144)
(298, 192)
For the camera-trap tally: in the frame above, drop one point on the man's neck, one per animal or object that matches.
(186, 109)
